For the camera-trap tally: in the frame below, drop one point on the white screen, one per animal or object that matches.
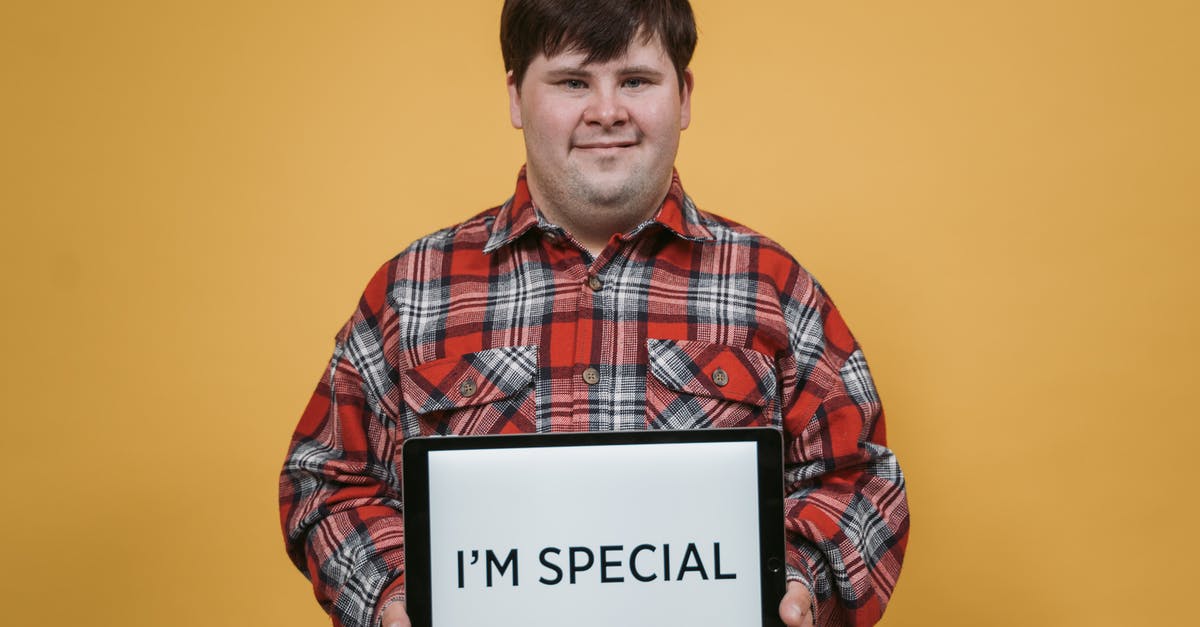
(667, 496)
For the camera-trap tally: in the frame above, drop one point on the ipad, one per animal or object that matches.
(638, 529)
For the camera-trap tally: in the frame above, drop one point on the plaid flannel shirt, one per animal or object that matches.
(503, 324)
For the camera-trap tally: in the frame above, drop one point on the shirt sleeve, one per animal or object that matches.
(339, 493)
(846, 514)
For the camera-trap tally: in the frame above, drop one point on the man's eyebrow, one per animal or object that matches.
(581, 71)
(572, 71)
(641, 69)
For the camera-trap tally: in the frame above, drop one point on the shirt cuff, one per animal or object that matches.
(799, 570)
(393, 593)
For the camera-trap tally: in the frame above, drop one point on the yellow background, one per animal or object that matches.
(1002, 196)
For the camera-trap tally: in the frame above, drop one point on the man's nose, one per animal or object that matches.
(606, 108)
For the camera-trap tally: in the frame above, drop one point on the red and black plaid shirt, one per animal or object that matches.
(503, 324)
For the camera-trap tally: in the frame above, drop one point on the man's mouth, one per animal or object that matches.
(605, 145)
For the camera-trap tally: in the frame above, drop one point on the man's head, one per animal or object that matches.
(601, 91)
(601, 29)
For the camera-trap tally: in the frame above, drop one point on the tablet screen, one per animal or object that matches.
(646, 534)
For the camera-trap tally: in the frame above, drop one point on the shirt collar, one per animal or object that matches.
(677, 214)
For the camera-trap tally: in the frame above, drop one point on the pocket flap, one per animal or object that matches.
(713, 370)
(467, 380)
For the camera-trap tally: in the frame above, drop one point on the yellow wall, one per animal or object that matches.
(1001, 195)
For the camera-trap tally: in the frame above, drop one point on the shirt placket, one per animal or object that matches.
(591, 371)
(594, 375)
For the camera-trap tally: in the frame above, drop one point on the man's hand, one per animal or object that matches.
(795, 609)
(395, 616)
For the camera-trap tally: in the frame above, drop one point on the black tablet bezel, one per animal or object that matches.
(415, 460)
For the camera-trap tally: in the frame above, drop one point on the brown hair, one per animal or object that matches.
(601, 28)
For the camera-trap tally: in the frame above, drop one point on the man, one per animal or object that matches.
(598, 297)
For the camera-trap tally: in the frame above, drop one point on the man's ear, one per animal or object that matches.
(514, 101)
(685, 99)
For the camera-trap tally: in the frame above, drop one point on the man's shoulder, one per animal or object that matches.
(472, 232)
(729, 229)
(424, 260)
(769, 252)
(463, 241)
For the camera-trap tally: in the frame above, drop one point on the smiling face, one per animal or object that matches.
(601, 138)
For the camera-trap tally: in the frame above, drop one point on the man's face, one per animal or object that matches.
(601, 135)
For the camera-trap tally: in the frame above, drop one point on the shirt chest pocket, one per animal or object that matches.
(489, 391)
(695, 384)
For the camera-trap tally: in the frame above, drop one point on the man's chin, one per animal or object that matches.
(620, 188)
(612, 192)
(606, 198)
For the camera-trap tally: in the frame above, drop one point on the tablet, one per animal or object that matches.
(638, 529)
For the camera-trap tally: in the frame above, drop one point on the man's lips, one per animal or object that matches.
(605, 145)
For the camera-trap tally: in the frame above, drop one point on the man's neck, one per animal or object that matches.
(593, 225)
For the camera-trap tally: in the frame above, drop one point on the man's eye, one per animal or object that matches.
(574, 83)
(634, 82)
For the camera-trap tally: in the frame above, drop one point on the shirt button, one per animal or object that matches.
(720, 377)
(467, 387)
(591, 376)
(595, 283)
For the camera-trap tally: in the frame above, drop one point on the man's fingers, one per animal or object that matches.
(395, 616)
(791, 614)
(796, 607)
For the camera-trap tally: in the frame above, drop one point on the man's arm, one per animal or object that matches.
(339, 489)
(846, 510)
